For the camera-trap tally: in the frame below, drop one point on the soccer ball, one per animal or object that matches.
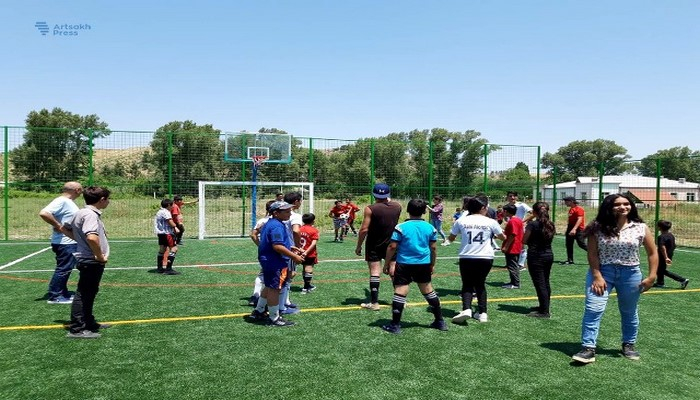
(345, 216)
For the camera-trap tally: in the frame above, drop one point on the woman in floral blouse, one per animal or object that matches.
(614, 238)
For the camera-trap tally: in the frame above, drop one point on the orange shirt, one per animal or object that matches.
(574, 213)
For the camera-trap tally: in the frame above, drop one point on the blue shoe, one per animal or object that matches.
(291, 305)
(60, 300)
(290, 311)
(439, 324)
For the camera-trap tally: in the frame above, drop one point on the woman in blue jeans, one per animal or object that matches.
(614, 238)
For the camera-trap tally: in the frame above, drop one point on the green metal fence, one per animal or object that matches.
(142, 167)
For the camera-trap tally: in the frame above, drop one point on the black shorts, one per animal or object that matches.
(167, 239)
(404, 274)
(377, 253)
(310, 261)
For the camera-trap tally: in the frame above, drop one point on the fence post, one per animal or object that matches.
(431, 167)
(311, 159)
(485, 186)
(371, 164)
(170, 164)
(537, 185)
(554, 194)
(6, 186)
(91, 155)
(658, 194)
(601, 169)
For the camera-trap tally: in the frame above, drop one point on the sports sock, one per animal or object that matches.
(262, 302)
(258, 286)
(374, 289)
(397, 305)
(171, 259)
(434, 302)
(308, 276)
(284, 297)
(159, 261)
(274, 312)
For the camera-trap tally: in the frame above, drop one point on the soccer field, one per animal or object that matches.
(184, 337)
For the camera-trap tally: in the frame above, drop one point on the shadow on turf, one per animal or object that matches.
(514, 309)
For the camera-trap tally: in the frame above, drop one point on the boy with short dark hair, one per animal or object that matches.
(88, 230)
(513, 245)
(165, 228)
(666, 244)
(177, 215)
(414, 244)
(340, 220)
(309, 238)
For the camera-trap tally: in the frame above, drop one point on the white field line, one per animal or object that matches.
(11, 263)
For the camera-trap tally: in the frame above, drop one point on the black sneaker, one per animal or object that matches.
(160, 270)
(439, 324)
(659, 285)
(392, 328)
(537, 314)
(259, 316)
(170, 272)
(253, 301)
(629, 351)
(585, 356)
(685, 283)
(279, 322)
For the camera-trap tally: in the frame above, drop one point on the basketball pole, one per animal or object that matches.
(254, 194)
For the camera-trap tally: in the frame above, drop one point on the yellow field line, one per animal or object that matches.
(316, 310)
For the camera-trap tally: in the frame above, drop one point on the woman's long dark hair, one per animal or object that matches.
(541, 211)
(606, 220)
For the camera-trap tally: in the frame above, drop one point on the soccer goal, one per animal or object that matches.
(226, 208)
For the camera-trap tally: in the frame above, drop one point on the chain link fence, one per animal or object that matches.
(141, 168)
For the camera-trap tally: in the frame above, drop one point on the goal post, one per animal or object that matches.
(226, 208)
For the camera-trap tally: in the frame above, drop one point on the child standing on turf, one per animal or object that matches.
(309, 238)
(414, 243)
(513, 245)
(339, 222)
(666, 245)
(166, 230)
(275, 251)
(177, 215)
(255, 237)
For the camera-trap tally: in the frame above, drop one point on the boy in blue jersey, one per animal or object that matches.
(275, 250)
(414, 243)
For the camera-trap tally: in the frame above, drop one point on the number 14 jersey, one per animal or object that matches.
(477, 231)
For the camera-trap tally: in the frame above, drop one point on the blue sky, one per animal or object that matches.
(520, 72)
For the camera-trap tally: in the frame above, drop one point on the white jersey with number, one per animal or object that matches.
(477, 231)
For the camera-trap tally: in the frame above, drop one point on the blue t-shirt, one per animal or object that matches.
(274, 232)
(413, 237)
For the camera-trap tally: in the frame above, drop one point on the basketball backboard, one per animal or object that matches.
(244, 146)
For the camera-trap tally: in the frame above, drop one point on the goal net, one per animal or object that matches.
(226, 208)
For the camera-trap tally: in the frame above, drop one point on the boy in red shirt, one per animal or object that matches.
(574, 229)
(513, 245)
(340, 219)
(351, 209)
(309, 238)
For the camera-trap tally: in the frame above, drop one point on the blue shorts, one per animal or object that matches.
(275, 276)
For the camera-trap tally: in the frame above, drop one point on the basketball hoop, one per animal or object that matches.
(258, 160)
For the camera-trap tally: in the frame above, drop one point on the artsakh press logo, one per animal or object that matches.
(43, 27)
(61, 29)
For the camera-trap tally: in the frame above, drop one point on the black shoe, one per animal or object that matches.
(259, 316)
(253, 302)
(439, 324)
(170, 272)
(629, 351)
(567, 262)
(537, 314)
(685, 283)
(160, 270)
(280, 322)
(585, 356)
(392, 328)
(659, 285)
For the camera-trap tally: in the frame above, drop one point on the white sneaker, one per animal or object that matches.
(446, 243)
(481, 317)
(463, 316)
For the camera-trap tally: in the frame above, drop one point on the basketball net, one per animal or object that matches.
(258, 161)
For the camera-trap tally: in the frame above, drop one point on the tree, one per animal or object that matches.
(584, 158)
(56, 146)
(197, 154)
(676, 162)
(520, 172)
